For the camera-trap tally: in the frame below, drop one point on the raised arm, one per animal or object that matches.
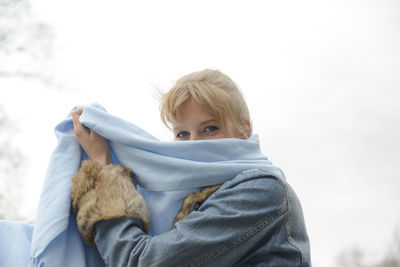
(96, 146)
(246, 215)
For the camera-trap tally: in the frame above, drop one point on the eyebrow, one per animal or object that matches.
(207, 122)
(177, 128)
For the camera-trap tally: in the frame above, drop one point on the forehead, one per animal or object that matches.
(189, 106)
(191, 111)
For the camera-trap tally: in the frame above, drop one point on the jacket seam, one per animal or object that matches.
(288, 230)
(280, 232)
(245, 236)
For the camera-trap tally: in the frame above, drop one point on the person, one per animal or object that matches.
(253, 219)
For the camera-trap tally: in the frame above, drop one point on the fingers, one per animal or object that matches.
(79, 129)
(77, 111)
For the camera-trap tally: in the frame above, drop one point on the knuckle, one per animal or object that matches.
(78, 133)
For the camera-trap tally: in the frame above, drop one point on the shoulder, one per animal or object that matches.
(257, 181)
(250, 175)
(251, 190)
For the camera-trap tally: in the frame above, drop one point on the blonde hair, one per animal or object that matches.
(215, 92)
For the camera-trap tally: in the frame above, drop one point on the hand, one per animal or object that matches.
(96, 146)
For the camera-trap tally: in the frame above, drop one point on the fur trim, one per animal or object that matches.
(193, 201)
(105, 193)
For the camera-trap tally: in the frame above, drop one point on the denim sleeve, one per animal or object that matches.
(227, 227)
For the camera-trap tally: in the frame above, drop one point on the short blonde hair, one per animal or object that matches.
(215, 92)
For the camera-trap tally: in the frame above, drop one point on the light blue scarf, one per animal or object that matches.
(165, 172)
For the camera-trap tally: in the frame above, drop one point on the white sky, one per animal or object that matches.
(321, 79)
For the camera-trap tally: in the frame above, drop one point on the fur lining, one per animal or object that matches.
(104, 193)
(193, 201)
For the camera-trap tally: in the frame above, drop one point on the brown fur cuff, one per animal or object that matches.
(104, 193)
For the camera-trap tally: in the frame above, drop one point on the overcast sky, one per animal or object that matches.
(321, 78)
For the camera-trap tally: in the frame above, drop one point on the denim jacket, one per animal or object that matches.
(252, 220)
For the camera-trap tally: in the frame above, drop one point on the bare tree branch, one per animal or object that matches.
(355, 257)
(11, 162)
(26, 44)
(48, 81)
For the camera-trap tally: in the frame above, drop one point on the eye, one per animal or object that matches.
(209, 129)
(182, 135)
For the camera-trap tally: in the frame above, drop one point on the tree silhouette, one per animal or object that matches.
(355, 257)
(26, 44)
(11, 163)
(25, 52)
